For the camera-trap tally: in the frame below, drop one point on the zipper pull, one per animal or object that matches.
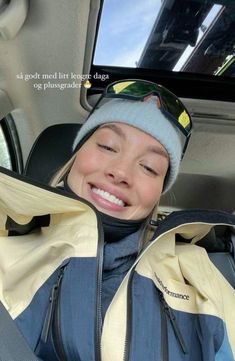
(154, 222)
(174, 324)
(51, 307)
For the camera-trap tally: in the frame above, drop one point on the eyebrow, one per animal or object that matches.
(150, 148)
(157, 150)
(115, 128)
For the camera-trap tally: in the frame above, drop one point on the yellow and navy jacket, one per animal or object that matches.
(173, 304)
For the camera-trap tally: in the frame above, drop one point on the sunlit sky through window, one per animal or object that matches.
(125, 27)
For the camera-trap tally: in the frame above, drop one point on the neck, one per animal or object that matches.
(116, 229)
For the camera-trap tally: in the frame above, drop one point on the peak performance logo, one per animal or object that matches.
(170, 293)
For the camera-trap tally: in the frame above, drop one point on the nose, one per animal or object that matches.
(120, 172)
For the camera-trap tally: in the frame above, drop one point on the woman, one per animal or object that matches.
(96, 285)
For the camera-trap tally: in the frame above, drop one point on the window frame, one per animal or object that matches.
(184, 84)
(13, 143)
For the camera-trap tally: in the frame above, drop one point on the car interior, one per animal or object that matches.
(56, 58)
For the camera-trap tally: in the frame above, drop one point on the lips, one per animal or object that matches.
(109, 197)
(113, 197)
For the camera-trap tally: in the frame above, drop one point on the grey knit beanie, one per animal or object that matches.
(146, 116)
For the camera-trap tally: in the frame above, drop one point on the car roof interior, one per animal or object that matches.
(53, 42)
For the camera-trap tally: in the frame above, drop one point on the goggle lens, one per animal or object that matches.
(132, 88)
(169, 103)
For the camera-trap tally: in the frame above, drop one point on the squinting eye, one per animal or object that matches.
(106, 147)
(148, 169)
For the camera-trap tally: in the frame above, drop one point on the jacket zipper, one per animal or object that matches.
(56, 331)
(52, 320)
(51, 309)
(165, 312)
(128, 319)
(169, 313)
(164, 331)
(98, 319)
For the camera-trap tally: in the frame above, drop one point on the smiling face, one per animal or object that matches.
(120, 170)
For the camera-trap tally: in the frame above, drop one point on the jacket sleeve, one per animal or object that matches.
(227, 294)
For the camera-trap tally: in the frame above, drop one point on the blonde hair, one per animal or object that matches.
(148, 228)
(60, 174)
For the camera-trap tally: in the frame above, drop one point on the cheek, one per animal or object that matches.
(150, 194)
(83, 167)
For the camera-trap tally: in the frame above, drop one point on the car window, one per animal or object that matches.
(186, 36)
(5, 158)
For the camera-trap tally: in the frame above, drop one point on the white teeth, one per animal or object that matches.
(108, 196)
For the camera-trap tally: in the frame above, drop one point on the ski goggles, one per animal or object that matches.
(168, 103)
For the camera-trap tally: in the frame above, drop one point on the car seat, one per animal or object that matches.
(50, 151)
(53, 148)
(220, 246)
